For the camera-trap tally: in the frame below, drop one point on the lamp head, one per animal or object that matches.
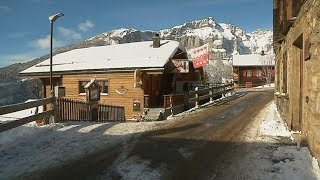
(55, 16)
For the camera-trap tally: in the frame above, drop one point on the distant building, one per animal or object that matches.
(252, 70)
(297, 49)
(134, 75)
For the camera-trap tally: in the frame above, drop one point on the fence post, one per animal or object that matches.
(53, 105)
(196, 96)
(171, 104)
(211, 94)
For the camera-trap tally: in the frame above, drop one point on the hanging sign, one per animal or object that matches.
(200, 56)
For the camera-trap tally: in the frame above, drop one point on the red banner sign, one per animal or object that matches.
(200, 56)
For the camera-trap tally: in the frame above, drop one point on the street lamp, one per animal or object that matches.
(52, 19)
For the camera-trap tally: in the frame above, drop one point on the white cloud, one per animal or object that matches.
(44, 43)
(69, 34)
(5, 9)
(85, 26)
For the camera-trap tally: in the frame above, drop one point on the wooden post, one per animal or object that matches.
(196, 96)
(211, 94)
(53, 106)
(171, 104)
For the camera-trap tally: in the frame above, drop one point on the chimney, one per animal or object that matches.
(156, 41)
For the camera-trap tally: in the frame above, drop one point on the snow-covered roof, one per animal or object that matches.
(120, 56)
(251, 60)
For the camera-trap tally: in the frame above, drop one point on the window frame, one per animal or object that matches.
(101, 82)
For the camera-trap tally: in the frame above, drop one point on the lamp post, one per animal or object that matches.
(52, 19)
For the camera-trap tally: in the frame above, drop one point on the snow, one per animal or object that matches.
(219, 50)
(29, 149)
(273, 124)
(266, 158)
(272, 85)
(248, 60)
(20, 114)
(129, 55)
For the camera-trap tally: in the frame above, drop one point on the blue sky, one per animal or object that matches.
(25, 28)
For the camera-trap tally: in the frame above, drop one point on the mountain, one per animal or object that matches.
(224, 40)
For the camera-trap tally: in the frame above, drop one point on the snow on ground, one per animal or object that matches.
(30, 148)
(20, 114)
(267, 154)
(266, 86)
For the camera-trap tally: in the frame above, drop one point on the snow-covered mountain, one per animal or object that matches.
(224, 39)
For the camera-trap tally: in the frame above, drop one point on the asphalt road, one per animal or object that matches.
(190, 148)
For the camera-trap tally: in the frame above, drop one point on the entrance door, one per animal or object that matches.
(155, 90)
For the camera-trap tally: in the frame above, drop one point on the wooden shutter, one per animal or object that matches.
(254, 73)
(244, 73)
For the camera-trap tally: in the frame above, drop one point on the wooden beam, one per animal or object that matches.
(23, 106)
(13, 124)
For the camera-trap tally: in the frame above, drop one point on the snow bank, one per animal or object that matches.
(266, 153)
(293, 163)
(273, 125)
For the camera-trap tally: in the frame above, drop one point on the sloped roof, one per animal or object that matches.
(120, 56)
(251, 60)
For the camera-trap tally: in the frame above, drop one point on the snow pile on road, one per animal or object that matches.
(273, 125)
(266, 158)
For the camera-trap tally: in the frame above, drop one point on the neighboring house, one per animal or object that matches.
(297, 49)
(252, 70)
(134, 75)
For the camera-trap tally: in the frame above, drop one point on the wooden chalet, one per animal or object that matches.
(249, 70)
(138, 76)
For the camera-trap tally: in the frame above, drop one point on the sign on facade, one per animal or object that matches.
(181, 65)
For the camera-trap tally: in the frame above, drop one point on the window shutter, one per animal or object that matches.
(254, 73)
(244, 73)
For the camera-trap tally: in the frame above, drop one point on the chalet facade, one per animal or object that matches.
(297, 49)
(134, 75)
(252, 70)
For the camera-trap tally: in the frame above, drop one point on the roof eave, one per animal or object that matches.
(94, 71)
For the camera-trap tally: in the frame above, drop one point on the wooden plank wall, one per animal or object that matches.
(116, 80)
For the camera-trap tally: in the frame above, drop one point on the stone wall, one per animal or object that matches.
(300, 104)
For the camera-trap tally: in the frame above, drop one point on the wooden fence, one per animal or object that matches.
(209, 93)
(171, 100)
(22, 106)
(74, 110)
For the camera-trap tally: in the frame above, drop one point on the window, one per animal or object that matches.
(104, 87)
(82, 84)
(244, 73)
(103, 84)
(249, 73)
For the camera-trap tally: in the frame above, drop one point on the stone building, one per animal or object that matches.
(297, 49)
